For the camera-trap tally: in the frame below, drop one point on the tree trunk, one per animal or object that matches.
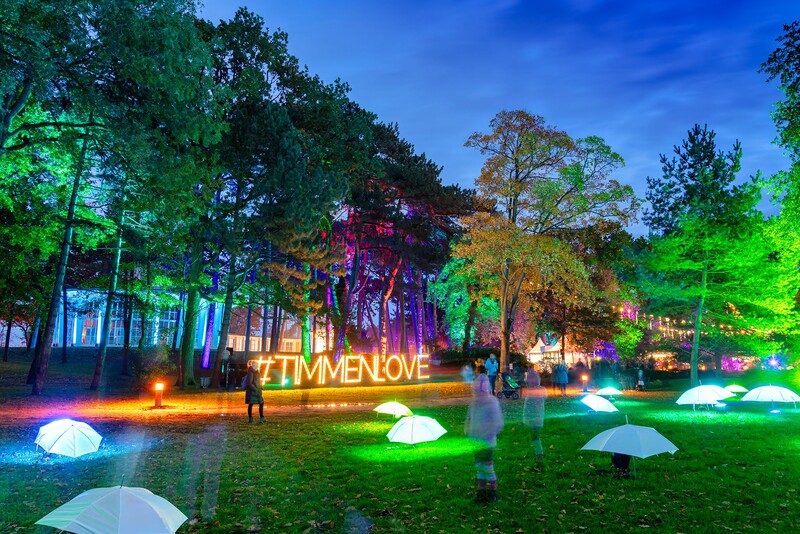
(471, 313)
(264, 315)
(247, 323)
(178, 318)
(205, 358)
(36, 353)
(275, 337)
(383, 319)
(65, 326)
(435, 324)
(61, 271)
(305, 318)
(9, 325)
(112, 293)
(281, 329)
(190, 320)
(386, 330)
(145, 313)
(508, 308)
(225, 327)
(351, 288)
(401, 319)
(694, 378)
(127, 321)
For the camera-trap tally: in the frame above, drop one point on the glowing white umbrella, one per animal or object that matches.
(415, 429)
(68, 437)
(609, 391)
(120, 509)
(771, 394)
(393, 408)
(598, 404)
(703, 395)
(735, 388)
(722, 392)
(633, 440)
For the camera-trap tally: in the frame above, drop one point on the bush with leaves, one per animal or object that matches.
(152, 364)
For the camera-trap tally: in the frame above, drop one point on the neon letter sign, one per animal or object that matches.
(349, 370)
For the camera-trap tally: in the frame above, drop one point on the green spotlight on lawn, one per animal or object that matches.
(400, 453)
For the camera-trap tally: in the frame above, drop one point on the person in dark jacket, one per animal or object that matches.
(252, 391)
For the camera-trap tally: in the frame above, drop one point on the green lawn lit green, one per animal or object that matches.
(328, 469)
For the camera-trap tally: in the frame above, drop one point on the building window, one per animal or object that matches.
(89, 329)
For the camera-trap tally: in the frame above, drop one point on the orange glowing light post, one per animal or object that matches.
(585, 380)
(159, 392)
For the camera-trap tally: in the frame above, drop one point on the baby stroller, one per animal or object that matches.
(510, 387)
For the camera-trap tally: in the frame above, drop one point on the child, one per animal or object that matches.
(484, 422)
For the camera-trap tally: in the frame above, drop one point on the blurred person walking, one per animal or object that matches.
(484, 422)
(533, 411)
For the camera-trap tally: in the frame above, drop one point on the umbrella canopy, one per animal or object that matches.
(120, 509)
(609, 391)
(703, 395)
(68, 437)
(633, 440)
(735, 388)
(393, 408)
(771, 394)
(722, 392)
(415, 429)
(598, 404)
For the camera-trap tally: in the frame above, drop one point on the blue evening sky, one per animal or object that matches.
(639, 74)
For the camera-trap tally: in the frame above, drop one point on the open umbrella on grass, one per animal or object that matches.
(415, 429)
(771, 394)
(68, 438)
(608, 392)
(703, 395)
(735, 388)
(598, 404)
(633, 440)
(393, 408)
(119, 509)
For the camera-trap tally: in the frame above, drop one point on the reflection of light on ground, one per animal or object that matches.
(377, 428)
(13, 453)
(335, 405)
(708, 417)
(388, 452)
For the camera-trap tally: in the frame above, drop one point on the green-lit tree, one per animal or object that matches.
(784, 281)
(704, 232)
(465, 301)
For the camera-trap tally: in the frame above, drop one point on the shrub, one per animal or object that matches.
(455, 356)
(152, 365)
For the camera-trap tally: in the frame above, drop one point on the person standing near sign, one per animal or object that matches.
(492, 366)
(252, 392)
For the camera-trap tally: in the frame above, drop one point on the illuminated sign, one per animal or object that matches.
(351, 369)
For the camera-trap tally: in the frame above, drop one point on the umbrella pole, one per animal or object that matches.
(633, 459)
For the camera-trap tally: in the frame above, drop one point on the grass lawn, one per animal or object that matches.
(319, 468)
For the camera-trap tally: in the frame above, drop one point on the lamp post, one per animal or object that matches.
(585, 380)
(159, 392)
